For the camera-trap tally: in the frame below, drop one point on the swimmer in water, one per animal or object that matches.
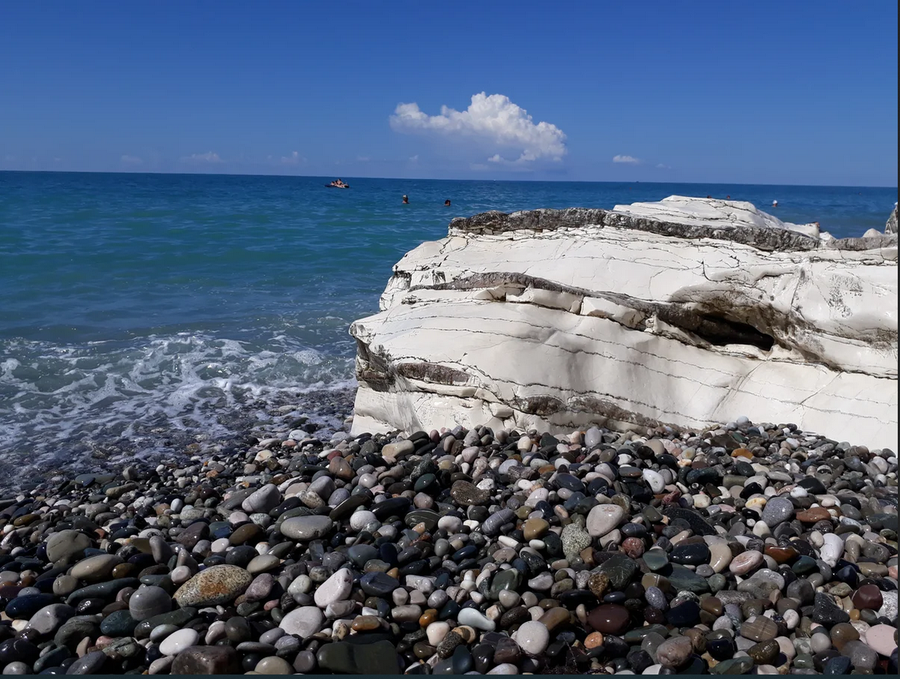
(447, 203)
(406, 200)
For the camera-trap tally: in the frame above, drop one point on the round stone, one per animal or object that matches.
(777, 511)
(148, 601)
(273, 665)
(882, 639)
(673, 653)
(609, 619)
(66, 543)
(760, 628)
(361, 518)
(533, 637)
(48, 619)
(303, 622)
(95, 568)
(745, 562)
(603, 519)
(306, 527)
(334, 589)
(868, 597)
(263, 500)
(176, 642)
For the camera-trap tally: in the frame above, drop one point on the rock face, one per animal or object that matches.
(891, 227)
(688, 312)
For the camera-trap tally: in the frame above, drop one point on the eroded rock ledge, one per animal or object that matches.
(687, 312)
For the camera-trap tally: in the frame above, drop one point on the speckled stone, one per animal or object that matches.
(214, 586)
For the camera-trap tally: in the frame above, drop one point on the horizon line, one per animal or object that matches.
(434, 179)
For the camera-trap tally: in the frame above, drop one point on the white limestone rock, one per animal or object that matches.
(689, 312)
(712, 212)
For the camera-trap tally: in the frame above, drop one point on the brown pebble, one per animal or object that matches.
(554, 617)
(428, 617)
(593, 640)
(365, 623)
(423, 650)
(598, 583)
(760, 628)
(535, 529)
(868, 597)
(587, 555)
(813, 515)
(764, 652)
(610, 619)
(712, 605)
(842, 633)
(698, 640)
(782, 554)
(122, 570)
(633, 547)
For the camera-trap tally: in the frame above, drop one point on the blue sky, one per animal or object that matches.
(752, 92)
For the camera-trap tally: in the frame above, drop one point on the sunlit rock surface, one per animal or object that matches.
(688, 312)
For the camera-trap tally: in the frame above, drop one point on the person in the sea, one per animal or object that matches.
(447, 203)
(406, 200)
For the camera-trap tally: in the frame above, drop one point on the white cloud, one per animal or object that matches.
(663, 166)
(414, 159)
(630, 160)
(363, 159)
(492, 119)
(131, 160)
(293, 159)
(208, 157)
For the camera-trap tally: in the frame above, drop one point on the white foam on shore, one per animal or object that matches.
(57, 398)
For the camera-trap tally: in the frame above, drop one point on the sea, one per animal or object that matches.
(140, 312)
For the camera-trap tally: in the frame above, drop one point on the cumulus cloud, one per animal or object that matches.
(293, 159)
(131, 160)
(493, 120)
(630, 160)
(208, 157)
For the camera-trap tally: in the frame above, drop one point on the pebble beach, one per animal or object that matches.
(756, 548)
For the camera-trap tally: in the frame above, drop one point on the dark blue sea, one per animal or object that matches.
(135, 305)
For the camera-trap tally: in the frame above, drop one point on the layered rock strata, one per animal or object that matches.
(686, 312)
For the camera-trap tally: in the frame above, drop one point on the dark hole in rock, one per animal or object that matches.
(720, 331)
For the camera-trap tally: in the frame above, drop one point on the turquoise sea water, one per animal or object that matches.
(131, 301)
